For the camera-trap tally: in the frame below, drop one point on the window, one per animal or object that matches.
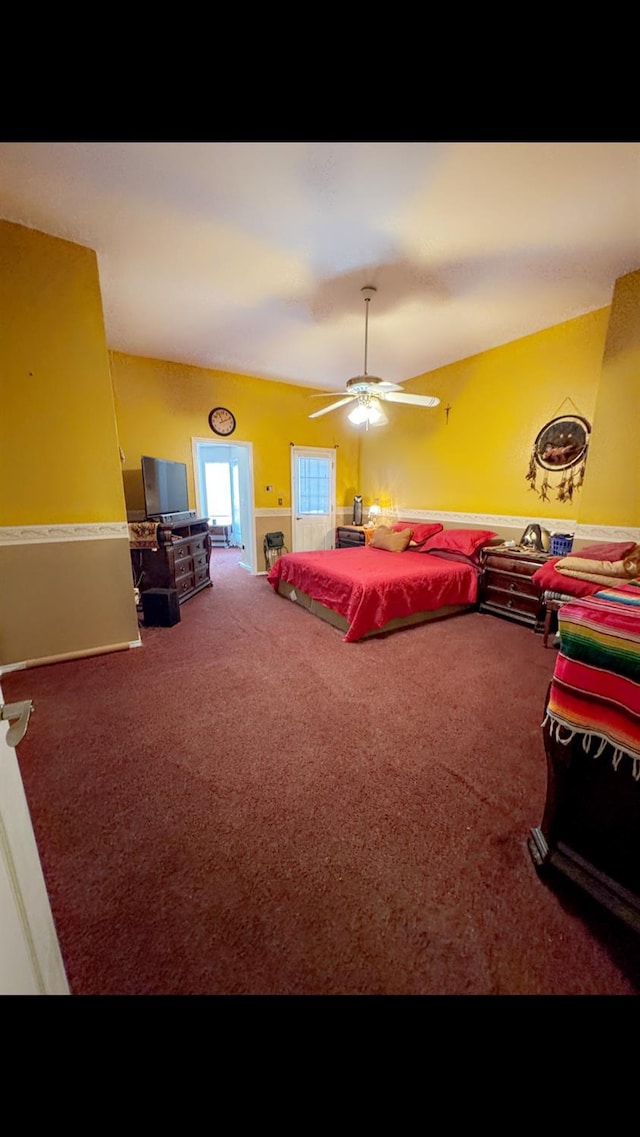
(314, 486)
(218, 491)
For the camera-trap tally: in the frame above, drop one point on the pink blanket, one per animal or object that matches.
(369, 586)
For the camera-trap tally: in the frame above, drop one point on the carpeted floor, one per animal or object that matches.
(247, 805)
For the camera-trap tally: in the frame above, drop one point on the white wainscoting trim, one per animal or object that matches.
(107, 530)
(553, 524)
(45, 534)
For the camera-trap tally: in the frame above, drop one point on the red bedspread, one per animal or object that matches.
(369, 586)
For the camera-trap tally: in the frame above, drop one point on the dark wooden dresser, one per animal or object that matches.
(180, 561)
(507, 589)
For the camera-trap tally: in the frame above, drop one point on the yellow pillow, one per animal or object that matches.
(384, 538)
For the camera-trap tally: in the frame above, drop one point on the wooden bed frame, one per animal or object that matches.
(337, 621)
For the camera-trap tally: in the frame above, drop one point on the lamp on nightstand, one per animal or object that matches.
(375, 513)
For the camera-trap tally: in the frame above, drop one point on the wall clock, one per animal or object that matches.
(222, 421)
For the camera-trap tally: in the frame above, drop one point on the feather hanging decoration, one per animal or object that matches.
(560, 448)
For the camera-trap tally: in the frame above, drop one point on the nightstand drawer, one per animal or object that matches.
(349, 535)
(505, 563)
(517, 604)
(511, 582)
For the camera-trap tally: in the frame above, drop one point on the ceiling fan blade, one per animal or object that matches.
(414, 400)
(332, 407)
(326, 394)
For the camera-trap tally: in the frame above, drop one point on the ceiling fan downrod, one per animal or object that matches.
(368, 292)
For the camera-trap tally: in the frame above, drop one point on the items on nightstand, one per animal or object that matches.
(561, 544)
(535, 537)
(375, 513)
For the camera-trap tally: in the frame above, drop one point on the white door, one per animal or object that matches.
(30, 959)
(313, 484)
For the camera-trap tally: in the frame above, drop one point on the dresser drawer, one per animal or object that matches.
(184, 584)
(183, 568)
(197, 546)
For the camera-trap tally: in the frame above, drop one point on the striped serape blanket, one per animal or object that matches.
(595, 689)
(628, 593)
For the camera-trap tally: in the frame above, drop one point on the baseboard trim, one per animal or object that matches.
(66, 657)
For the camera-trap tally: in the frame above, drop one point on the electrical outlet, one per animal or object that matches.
(279, 501)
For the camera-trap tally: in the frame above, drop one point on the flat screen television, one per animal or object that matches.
(165, 487)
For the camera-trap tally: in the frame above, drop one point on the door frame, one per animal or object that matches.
(243, 451)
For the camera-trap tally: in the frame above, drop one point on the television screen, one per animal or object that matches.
(165, 486)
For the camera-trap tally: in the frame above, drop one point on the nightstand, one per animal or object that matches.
(506, 588)
(349, 535)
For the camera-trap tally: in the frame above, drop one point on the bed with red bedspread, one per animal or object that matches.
(374, 590)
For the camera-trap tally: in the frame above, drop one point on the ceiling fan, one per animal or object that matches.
(368, 391)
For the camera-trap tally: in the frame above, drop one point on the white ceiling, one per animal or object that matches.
(251, 256)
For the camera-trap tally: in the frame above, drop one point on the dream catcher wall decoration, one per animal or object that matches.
(560, 449)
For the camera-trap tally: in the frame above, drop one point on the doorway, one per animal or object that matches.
(313, 483)
(223, 476)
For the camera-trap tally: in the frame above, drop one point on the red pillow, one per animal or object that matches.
(467, 541)
(546, 578)
(447, 555)
(605, 551)
(420, 531)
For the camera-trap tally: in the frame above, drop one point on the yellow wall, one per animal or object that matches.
(59, 452)
(476, 458)
(161, 406)
(66, 585)
(612, 488)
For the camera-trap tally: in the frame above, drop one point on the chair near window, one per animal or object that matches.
(274, 547)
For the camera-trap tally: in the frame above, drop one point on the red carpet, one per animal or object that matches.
(248, 805)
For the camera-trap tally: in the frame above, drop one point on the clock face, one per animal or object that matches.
(222, 421)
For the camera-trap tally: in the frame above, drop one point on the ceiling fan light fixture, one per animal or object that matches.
(367, 411)
(359, 414)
